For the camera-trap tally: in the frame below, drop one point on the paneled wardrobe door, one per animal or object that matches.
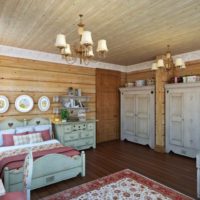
(128, 114)
(176, 118)
(191, 119)
(142, 115)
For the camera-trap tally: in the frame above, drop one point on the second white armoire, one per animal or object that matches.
(138, 115)
(183, 118)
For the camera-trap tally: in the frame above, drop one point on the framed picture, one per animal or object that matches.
(4, 104)
(44, 103)
(24, 103)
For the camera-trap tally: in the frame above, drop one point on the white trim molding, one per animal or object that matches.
(55, 58)
(189, 56)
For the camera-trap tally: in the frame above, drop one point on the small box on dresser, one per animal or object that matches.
(80, 135)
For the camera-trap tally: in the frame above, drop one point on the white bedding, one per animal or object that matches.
(3, 149)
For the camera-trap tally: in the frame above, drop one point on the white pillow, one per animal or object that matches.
(43, 127)
(7, 131)
(24, 129)
(21, 139)
(35, 138)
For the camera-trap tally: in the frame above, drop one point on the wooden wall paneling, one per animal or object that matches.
(192, 68)
(37, 78)
(123, 79)
(161, 77)
(45, 76)
(140, 75)
(44, 65)
(40, 86)
(159, 109)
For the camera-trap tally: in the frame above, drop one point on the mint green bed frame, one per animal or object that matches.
(48, 169)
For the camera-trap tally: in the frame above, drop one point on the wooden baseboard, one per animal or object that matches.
(160, 149)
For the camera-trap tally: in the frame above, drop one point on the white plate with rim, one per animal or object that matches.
(24, 103)
(4, 104)
(44, 103)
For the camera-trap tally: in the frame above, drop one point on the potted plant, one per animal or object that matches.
(64, 115)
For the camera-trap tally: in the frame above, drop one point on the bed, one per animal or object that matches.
(60, 164)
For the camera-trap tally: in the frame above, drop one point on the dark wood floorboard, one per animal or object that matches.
(175, 171)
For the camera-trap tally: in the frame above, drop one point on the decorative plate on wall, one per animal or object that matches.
(24, 103)
(43, 103)
(4, 104)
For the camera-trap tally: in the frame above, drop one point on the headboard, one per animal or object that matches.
(11, 123)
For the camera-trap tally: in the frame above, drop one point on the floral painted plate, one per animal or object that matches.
(24, 103)
(43, 103)
(4, 104)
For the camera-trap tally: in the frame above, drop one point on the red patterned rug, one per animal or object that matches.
(125, 184)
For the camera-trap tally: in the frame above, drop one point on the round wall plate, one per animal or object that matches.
(24, 103)
(44, 103)
(4, 104)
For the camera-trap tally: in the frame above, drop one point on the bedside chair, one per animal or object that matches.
(27, 176)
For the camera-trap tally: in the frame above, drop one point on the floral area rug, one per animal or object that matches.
(123, 185)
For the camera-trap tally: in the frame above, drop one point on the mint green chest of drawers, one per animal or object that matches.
(80, 135)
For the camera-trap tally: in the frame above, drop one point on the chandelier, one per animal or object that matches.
(166, 62)
(84, 50)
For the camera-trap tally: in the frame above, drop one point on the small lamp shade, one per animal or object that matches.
(86, 38)
(154, 66)
(90, 53)
(60, 41)
(179, 62)
(160, 63)
(183, 66)
(66, 50)
(102, 46)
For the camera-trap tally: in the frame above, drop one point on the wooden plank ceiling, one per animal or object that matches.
(136, 30)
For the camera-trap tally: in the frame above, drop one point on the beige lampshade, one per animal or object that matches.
(60, 41)
(160, 63)
(90, 53)
(86, 38)
(183, 66)
(179, 62)
(154, 66)
(102, 46)
(66, 50)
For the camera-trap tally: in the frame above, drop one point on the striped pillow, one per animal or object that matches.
(21, 139)
(35, 137)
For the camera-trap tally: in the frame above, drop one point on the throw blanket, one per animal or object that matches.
(14, 159)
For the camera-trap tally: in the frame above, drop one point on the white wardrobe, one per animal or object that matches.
(183, 118)
(138, 115)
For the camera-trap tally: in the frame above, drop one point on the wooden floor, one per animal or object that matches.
(175, 171)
